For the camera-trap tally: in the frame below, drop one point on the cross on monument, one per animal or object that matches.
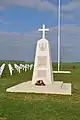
(44, 30)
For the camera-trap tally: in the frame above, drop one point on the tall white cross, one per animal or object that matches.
(44, 30)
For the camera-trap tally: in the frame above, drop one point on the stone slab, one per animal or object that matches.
(62, 72)
(55, 88)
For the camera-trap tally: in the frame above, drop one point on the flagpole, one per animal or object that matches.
(59, 21)
(59, 39)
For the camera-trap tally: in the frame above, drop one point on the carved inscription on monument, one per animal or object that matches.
(42, 61)
(41, 73)
(43, 46)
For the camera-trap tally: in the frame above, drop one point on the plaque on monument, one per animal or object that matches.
(43, 46)
(41, 73)
(42, 61)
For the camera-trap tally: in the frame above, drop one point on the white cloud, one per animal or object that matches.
(44, 5)
(41, 4)
(67, 16)
(73, 5)
(69, 10)
(1, 21)
(38, 4)
(1, 8)
(5, 22)
(22, 46)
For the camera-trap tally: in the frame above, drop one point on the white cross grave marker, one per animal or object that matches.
(2, 69)
(17, 67)
(31, 66)
(10, 68)
(26, 67)
(22, 66)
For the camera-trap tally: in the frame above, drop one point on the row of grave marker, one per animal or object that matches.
(17, 67)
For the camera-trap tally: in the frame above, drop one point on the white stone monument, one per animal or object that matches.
(42, 79)
(43, 64)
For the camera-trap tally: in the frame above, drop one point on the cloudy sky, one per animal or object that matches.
(19, 23)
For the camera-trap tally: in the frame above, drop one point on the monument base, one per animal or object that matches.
(55, 88)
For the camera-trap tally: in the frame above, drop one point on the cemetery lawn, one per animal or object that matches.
(40, 106)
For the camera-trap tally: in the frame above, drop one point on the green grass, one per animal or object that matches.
(17, 106)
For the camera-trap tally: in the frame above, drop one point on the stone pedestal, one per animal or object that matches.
(43, 64)
(42, 79)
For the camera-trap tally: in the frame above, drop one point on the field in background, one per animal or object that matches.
(40, 106)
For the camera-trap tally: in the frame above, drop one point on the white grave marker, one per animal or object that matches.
(10, 69)
(26, 67)
(18, 68)
(2, 69)
(22, 66)
(31, 66)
